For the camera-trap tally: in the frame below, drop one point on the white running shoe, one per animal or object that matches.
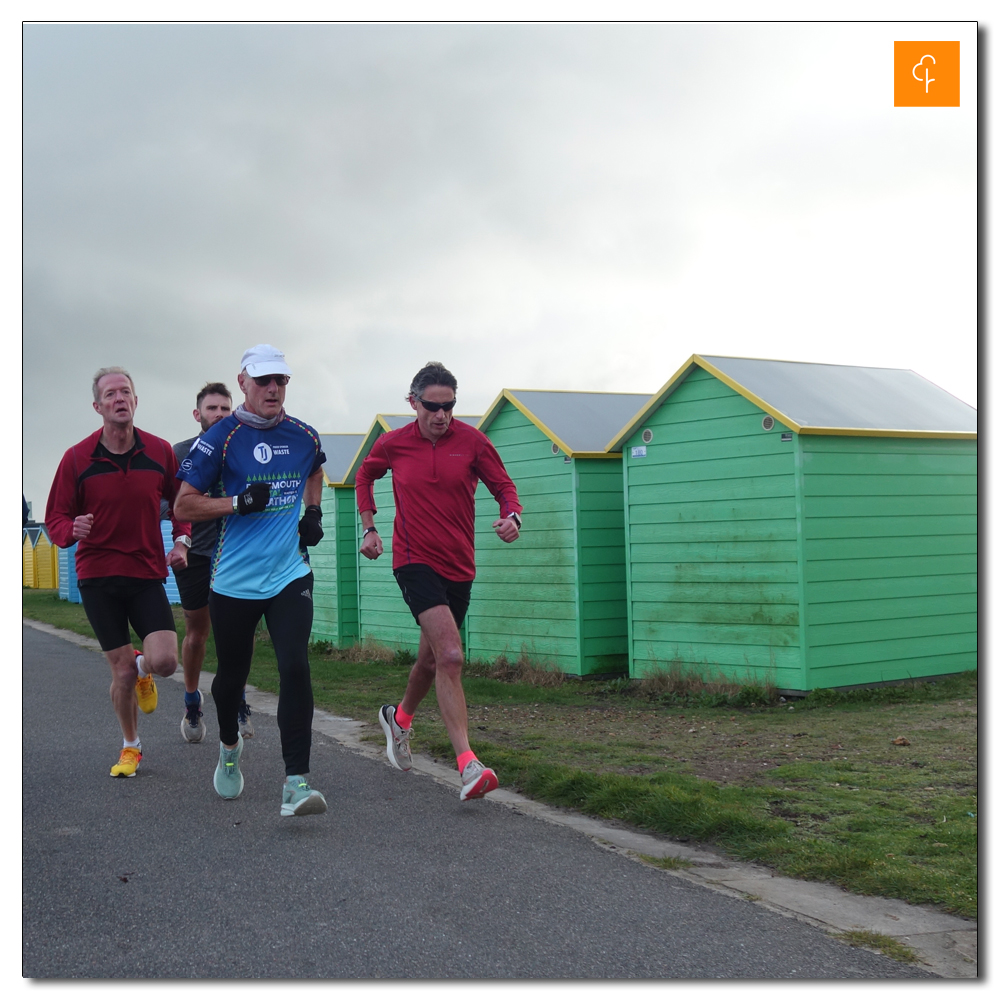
(397, 739)
(193, 725)
(477, 780)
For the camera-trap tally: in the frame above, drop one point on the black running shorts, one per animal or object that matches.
(113, 603)
(192, 583)
(423, 588)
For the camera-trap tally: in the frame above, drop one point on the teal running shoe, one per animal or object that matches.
(298, 799)
(228, 779)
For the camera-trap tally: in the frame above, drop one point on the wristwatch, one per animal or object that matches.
(184, 540)
(516, 519)
(365, 532)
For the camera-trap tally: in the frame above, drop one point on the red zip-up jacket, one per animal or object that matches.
(125, 539)
(434, 484)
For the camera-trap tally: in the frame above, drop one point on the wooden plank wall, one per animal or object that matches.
(382, 612)
(603, 594)
(525, 594)
(323, 560)
(348, 532)
(891, 558)
(712, 540)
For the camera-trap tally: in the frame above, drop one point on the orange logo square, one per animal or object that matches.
(925, 75)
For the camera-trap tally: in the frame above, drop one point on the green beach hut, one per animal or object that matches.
(558, 593)
(813, 525)
(335, 560)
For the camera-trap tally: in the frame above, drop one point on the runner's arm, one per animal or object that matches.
(181, 529)
(195, 506)
(312, 494)
(61, 510)
(375, 466)
(490, 469)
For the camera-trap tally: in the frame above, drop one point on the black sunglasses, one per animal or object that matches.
(263, 380)
(434, 407)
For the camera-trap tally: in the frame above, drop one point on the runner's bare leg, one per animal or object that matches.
(439, 661)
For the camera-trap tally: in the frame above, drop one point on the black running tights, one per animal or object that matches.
(289, 621)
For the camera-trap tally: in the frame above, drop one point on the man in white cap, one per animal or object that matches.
(261, 465)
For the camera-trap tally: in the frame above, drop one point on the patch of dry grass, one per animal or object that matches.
(523, 670)
(369, 650)
(681, 680)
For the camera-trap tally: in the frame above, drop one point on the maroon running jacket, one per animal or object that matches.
(125, 539)
(434, 485)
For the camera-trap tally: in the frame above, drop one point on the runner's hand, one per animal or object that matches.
(506, 529)
(253, 499)
(371, 547)
(177, 557)
(310, 527)
(82, 526)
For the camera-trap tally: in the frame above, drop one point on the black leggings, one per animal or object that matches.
(289, 621)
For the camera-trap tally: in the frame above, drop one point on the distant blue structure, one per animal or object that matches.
(173, 595)
(69, 591)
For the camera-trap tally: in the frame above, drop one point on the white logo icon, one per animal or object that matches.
(262, 452)
(926, 79)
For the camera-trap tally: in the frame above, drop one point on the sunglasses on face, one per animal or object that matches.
(265, 380)
(434, 407)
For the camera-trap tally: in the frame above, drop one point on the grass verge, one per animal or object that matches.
(873, 790)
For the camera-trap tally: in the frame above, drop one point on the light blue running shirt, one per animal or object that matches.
(257, 555)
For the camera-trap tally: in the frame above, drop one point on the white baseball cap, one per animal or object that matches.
(264, 360)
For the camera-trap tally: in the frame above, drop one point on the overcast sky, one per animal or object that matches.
(538, 206)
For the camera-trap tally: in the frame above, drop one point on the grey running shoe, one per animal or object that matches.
(397, 739)
(298, 799)
(477, 780)
(228, 778)
(193, 725)
(246, 726)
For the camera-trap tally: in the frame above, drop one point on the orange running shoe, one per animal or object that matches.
(145, 689)
(127, 763)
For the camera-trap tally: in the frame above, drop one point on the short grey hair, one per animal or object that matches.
(433, 373)
(113, 370)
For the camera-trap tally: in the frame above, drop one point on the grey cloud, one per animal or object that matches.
(519, 201)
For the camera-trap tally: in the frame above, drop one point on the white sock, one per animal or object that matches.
(133, 743)
(140, 662)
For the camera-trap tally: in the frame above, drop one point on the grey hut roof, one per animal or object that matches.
(340, 450)
(581, 423)
(393, 421)
(833, 399)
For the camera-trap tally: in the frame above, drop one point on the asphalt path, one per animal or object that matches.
(157, 877)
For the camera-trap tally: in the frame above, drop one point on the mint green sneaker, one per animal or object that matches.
(298, 799)
(228, 780)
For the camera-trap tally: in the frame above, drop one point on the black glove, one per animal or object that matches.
(311, 526)
(254, 499)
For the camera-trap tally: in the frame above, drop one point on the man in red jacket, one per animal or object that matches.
(436, 463)
(106, 498)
